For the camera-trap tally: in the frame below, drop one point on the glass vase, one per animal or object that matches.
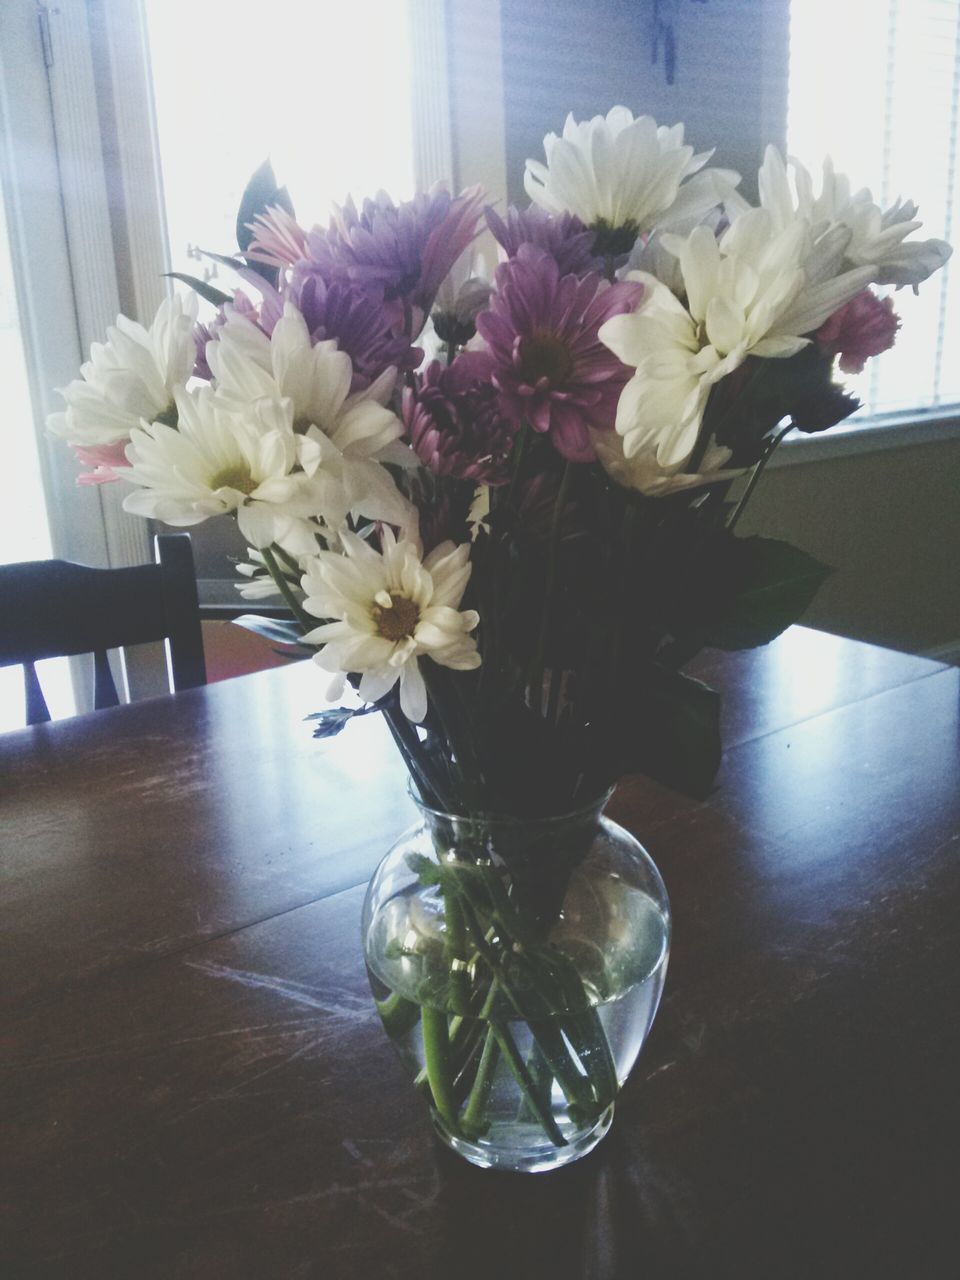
(517, 966)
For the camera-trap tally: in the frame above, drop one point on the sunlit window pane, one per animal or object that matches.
(876, 85)
(321, 87)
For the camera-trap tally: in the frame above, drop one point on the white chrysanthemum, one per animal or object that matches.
(249, 366)
(130, 378)
(873, 236)
(344, 436)
(217, 461)
(757, 291)
(644, 473)
(625, 176)
(389, 609)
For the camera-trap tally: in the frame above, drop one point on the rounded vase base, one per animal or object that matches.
(509, 1152)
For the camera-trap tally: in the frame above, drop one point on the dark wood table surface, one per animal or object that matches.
(195, 1083)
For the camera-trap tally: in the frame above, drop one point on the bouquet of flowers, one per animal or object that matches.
(504, 512)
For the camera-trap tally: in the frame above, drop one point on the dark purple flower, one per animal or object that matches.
(455, 424)
(565, 238)
(400, 253)
(544, 356)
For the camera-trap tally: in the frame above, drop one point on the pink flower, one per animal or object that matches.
(863, 327)
(278, 239)
(104, 458)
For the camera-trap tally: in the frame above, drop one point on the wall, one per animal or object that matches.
(889, 523)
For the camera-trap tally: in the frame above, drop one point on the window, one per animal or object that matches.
(333, 111)
(876, 84)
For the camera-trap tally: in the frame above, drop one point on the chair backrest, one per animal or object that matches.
(54, 609)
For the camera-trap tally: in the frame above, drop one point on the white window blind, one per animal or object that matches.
(876, 85)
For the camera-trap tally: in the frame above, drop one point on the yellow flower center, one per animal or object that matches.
(236, 477)
(544, 356)
(399, 621)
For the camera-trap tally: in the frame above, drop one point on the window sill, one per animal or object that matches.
(889, 431)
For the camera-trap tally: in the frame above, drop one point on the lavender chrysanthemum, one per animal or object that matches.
(543, 353)
(455, 424)
(359, 324)
(564, 237)
(400, 252)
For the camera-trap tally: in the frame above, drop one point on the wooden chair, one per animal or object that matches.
(54, 609)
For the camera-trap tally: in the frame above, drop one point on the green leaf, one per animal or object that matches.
(279, 630)
(773, 585)
(261, 193)
(663, 724)
(427, 871)
(677, 733)
(206, 291)
(327, 724)
(235, 264)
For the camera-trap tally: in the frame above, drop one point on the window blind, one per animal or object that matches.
(876, 85)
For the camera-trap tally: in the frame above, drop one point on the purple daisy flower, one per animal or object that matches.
(565, 237)
(358, 322)
(399, 252)
(353, 318)
(455, 424)
(544, 356)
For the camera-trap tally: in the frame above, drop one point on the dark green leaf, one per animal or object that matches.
(428, 872)
(261, 194)
(662, 724)
(773, 585)
(329, 723)
(677, 731)
(206, 291)
(279, 630)
(236, 264)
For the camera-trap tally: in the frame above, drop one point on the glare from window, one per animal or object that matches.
(321, 87)
(876, 85)
(24, 531)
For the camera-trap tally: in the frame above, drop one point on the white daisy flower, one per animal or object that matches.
(757, 291)
(624, 177)
(389, 608)
(130, 378)
(645, 474)
(873, 236)
(216, 461)
(249, 366)
(344, 437)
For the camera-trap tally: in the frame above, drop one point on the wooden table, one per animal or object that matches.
(195, 1084)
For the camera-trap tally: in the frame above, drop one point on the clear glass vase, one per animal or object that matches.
(517, 966)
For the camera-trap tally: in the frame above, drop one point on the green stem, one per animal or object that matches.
(522, 1076)
(550, 583)
(542, 1077)
(288, 560)
(436, 1053)
(548, 1035)
(411, 748)
(518, 451)
(455, 944)
(297, 609)
(754, 479)
(483, 1082)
